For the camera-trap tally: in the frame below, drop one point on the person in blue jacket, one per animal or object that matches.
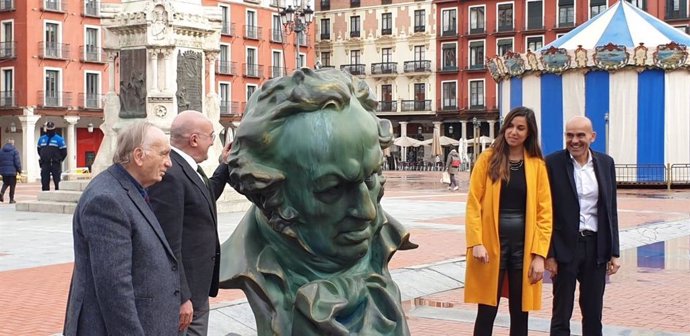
(10, 166)
(51, 152)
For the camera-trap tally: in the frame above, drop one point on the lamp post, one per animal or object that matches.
(606, 120)
(297, 20)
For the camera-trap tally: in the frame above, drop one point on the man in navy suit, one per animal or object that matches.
(125, 279)
(185, 204)
(584, 245)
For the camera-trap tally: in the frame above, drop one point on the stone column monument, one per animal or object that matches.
(160, 55)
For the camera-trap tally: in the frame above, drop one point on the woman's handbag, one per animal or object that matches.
(445, 178)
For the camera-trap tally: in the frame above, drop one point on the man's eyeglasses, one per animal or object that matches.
(212, 135)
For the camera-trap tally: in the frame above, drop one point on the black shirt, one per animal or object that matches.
(514, 193)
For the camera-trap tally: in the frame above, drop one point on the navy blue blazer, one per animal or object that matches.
(566, 207)
(125, 279)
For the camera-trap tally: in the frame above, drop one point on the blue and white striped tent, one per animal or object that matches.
(601, 70)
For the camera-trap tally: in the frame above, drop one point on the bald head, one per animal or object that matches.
(579, 122)
(192, 133)
(579, 135)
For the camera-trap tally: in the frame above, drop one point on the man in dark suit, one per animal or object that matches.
(125, 279)
(184, 203)
(584, 245)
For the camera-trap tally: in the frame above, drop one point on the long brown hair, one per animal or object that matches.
(499, 163)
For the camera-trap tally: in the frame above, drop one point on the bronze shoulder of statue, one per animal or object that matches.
(312, 253)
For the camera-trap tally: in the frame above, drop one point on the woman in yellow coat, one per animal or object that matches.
(508, 224)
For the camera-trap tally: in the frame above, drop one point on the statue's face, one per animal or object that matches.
(332, 160)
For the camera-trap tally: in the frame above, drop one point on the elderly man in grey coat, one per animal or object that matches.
(125, 279)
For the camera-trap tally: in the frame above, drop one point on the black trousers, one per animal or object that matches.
(11, 182)
(48, 169)
(592, 278)
(484, 324)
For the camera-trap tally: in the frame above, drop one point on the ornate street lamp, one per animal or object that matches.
(296, 20)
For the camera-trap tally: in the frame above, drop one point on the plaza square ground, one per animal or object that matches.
(649, 296)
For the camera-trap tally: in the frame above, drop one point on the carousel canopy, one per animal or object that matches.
(621, 24)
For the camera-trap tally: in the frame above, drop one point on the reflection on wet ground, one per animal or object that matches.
(669, 255)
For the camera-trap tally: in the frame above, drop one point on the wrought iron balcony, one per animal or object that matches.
(275, 72)
(54, 99)
(252, 70)
(8, 99)
(227, 29)
(252, 32)
(225, 67)
(92, 54)
(354, 33)
(53, 50)
(449, 32)
(8, 49)
(417, 66)
(384, 68)
(419, 29)
(354, 69)
(229, 108)
(277, 35)
(54, 6)
(6, 5)
(387, 106)
(415, 105)
(325, 36)
(92, 8)
(90, 101)
(386, 31)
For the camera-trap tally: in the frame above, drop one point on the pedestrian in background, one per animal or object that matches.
(585, 244)
(453, 167)
(508, 225)
(51, 152)
(10, 167)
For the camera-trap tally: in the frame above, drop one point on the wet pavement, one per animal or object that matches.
(649, 295)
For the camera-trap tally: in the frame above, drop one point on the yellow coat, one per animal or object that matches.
(481, 227)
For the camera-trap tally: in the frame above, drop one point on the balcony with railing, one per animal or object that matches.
(8, 99)
(8, 50)
(227, 29)
(387, 106)
(230, 108)
(386, 31)
(59, 6)
(448, 68)
(325, 36)
(275, 72)
(252, 32)
(354, 69)
(415, 105)
(252, 70)
(6, 5)
(476, 67)
(354, 33)
(449, 32)
(277, 35)
(448, 105)
(52, 50)
(417, 66)
(92, 8)
(58, 99)
(385, 68)
(90, 101)
(420, 29)
(92, 54)
(226, 67)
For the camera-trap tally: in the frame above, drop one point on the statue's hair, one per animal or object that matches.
(252, 167)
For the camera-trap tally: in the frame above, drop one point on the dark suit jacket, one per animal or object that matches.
(566, 207)
(125, 279)
(187, 212)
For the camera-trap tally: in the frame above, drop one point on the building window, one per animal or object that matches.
(252, 31)
(641, 4)
(252, 68)
(7, 40)
(534, 15)
(91, 45)
(450, 57)
(419, 53)
(224, 95)
(419, 21)
(505, 17)
(504, 45)
(386, 55)
(449, 22)
(325, 4)
(90, 7)
(535, 43)
(477, 55)
(355, 56)
(354, 3)
(325, 29)
(250, 90)
(51, 96)
(301, 60)
(476, 20)
(450, 96)
(566, 13)
(225, 28)
(52, 41)
(676, 9)
(276, 30)
(386, 24)
(7, 89)
(476, 94)
(419, 95)
(224, 60)
(277, 61)
(386, 104)
(325, 59)
(596, 7)
(92, 90)
(354, 26)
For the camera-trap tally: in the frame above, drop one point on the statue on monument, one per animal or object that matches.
(312, 253)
